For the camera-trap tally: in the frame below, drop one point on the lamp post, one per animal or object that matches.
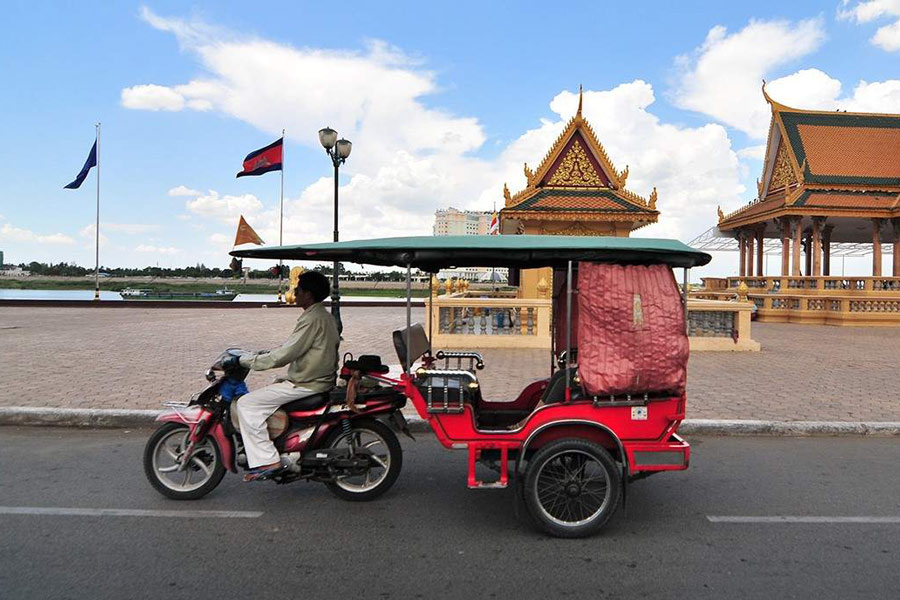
(338, 150)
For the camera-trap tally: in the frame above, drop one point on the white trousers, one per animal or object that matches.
(253, 409)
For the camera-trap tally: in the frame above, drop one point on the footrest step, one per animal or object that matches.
(481, 485)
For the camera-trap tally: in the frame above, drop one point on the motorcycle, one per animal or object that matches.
(345, 441)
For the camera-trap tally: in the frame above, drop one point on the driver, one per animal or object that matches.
(312, 355)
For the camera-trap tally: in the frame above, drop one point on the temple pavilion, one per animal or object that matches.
(829, 177)
(575, 190)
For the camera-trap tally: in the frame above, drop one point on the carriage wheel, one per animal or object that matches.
(572, 487)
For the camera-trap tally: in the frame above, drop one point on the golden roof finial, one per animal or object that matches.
(529, 174)
(653, 199)
(721, 214)
(765, 95)
(578, 114)
(506, 194)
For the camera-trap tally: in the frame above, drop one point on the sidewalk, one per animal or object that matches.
(138, 358)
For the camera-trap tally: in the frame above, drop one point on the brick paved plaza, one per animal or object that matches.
(139, 357)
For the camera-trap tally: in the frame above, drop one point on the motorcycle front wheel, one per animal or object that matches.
(384, 449)
(163, 456)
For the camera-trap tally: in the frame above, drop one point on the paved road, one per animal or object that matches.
(432, 538)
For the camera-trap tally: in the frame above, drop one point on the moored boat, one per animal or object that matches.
(222, 295)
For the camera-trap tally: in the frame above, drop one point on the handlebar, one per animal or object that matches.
(446, 354)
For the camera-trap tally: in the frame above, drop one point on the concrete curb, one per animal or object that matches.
(97, 417)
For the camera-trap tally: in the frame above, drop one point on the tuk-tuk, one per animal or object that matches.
(608, 411)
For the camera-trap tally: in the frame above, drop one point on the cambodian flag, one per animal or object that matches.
(264, 160)
(88, 165)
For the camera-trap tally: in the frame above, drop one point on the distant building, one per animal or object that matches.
(14, 272)
(1, 259)
(466, 222)
(462, 222)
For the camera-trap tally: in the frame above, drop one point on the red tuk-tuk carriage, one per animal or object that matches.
(611, 410)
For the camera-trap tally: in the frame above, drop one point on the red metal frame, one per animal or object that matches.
(606, 423)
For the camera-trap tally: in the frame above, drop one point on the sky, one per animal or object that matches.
(443, 101)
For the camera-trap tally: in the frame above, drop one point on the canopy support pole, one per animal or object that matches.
(430, 313)
(684, 294)
(408, 315)
(568, 329)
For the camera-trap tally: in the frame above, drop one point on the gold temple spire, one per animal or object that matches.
(579, 100)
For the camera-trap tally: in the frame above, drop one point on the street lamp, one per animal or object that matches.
(338, 150)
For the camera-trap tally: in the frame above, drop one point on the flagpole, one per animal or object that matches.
(97, 225)
(281, 222)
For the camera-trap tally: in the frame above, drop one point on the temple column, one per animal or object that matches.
(895, 265)
(818, 223)
(876, 247)
(749, 254)
(785, 225)
(797, 241)
(742, 270)
(760, 233)
(826, 250)
(807, 259)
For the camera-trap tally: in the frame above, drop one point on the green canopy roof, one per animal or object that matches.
(432, 253)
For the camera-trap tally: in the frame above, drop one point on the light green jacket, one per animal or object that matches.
(311, 351)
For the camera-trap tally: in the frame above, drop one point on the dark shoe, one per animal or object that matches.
(263, 473)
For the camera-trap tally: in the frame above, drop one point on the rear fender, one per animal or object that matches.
(192, 417)
(577, 429)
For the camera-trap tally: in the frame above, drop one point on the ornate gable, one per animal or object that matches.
(577, 177)
(782, 170)
(576, 167)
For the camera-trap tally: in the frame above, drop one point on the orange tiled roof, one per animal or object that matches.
(844, 148)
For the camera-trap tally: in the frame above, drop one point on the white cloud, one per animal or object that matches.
(384, 113)
(148, 249)
(88, 232)
(813, 89)
(887, 37)
(409, 159)
(183, 190)
(693, 168)
(152, 97)
(722, 77)
(753, 152)
(226, 209)
(8, 233)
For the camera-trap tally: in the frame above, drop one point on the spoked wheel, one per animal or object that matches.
(163, 455)
(383, 449)
(572, 487)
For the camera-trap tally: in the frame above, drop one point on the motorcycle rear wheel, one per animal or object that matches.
(385, 447)
(161, 455)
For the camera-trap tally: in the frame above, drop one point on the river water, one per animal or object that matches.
(89, 295)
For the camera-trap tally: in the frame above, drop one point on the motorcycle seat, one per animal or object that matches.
(307, 404)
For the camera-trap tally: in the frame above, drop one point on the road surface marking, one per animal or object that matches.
(129, 512)
(792, 519)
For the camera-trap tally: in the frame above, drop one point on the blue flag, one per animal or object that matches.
(90, 162)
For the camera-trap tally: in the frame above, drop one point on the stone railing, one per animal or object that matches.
(458, 321)
(819, 285)
(837, 309)
(869, 301)
(720, 325)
